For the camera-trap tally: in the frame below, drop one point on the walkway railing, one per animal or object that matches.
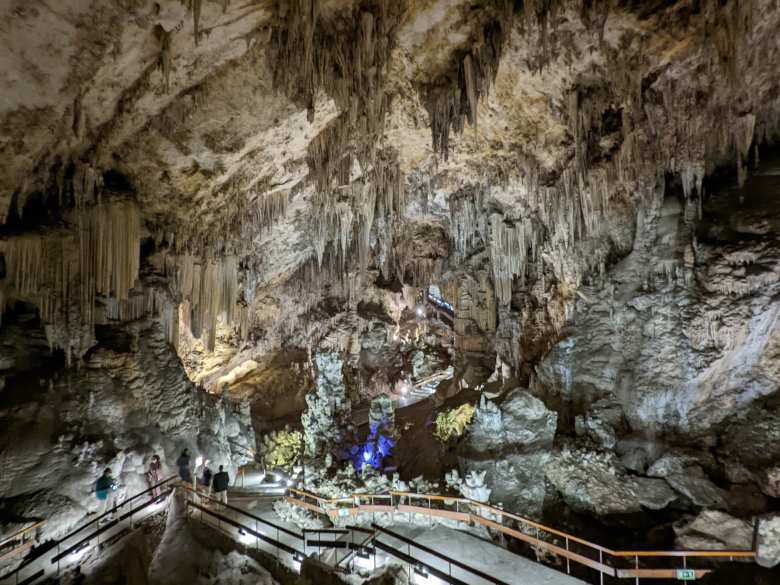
(572, 549)
(54, 553)
(20, 541)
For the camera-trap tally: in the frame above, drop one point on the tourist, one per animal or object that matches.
(205, 479)
(105, 487)
(183, 463)
(220, 483)
(153, 475)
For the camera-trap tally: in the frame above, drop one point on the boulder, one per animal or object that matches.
(697, 487)
(510, 444)
(522, 421)
(635, 460)
(713, 530)
(653, 494)
(516, 481)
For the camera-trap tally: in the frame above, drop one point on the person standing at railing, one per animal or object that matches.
(153, 475)
(205, 478)
(220, 483)
(105, 490)
(183, 463)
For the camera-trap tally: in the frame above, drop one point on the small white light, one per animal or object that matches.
(420, 312)
(199, 461)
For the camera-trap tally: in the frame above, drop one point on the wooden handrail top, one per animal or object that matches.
(21, 532)
(537, 525)
(685, 553)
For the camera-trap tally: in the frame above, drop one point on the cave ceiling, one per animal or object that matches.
(278, 153)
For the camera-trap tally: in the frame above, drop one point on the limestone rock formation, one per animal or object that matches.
(714, 530)
(510, 445)
(326, 419)
(596, 483)
(768, 541)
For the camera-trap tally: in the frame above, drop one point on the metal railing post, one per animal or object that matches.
(568, 561)
(636, 567)
(601, 569)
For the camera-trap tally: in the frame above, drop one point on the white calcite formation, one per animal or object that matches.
(326, 419)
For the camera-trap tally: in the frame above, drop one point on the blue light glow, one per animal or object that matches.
(373, 451)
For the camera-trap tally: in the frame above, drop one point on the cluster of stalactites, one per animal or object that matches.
(209, 290)
(64, 273)
(147, 301)
(510, 244)
(357, 182)
(468, 224)
(347, 218)
(453, 100)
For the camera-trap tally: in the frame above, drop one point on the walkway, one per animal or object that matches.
(475, 552)
(569, 550)
(415, 539)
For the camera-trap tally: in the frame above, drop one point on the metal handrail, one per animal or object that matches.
(236, 524)
(438, 554)
(101, 529)
(61, 554)
(114, 509)
(247, 514)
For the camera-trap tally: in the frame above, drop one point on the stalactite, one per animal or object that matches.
(164, 61)
(194, 6)
(743, 137)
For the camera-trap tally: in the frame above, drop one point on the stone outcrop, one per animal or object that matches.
(768, 541)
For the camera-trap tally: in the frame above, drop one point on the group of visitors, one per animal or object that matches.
(106, 486)
(217, 483)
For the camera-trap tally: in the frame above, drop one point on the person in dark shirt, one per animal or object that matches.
(183, 463)
(205, 479)
(220, 485)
